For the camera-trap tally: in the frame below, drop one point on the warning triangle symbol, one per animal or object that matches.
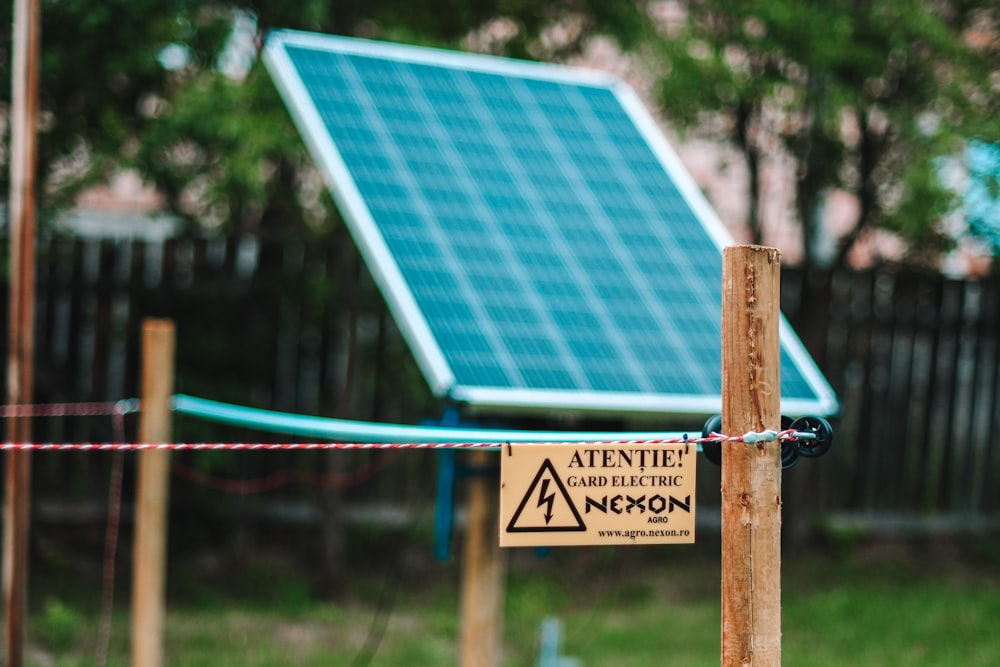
(546, 506)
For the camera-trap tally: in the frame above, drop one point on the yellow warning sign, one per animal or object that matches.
(578, 494)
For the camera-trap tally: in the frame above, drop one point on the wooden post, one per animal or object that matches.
(21, 348)
(150, 547)
(751, 474)
(482, 575)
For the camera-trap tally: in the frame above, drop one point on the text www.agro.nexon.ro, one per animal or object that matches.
(634, 534)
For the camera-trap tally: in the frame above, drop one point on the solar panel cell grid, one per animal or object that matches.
(533, 239)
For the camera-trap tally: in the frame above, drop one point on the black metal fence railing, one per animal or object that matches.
(298, 326)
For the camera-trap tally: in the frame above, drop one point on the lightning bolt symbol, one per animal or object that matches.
(546, 500)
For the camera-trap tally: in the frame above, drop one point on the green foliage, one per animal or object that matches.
(225, 153)
(60, 625)
(139, 85)
(923, 197)
(854, 624)
(912, 605)
(864, 96)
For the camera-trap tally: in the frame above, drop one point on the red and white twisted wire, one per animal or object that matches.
(748, 438)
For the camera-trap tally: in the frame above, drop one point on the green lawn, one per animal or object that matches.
(911, 606)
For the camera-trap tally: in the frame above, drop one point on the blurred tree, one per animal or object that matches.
(864, 95)
(99, 63)
(175, 90)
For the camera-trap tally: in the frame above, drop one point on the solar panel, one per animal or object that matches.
(536, 238)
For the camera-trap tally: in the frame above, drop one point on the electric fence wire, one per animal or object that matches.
(117, 410)
(111, 539)
(421, 437)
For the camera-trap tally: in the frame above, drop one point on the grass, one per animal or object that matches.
(907, 605)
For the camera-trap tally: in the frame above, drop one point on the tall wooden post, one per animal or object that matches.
(751, 473)
(21, 348)
(482, 575)
(150, 547)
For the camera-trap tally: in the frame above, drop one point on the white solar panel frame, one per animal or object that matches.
(398, 294)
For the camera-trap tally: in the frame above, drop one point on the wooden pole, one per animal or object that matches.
(483, 571)
(21, 348)
(150, 547)
(751, 474)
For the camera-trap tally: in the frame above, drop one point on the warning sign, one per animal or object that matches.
(554, 510)
(578, 494)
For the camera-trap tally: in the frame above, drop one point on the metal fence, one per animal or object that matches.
(297, 325)
(913, 358)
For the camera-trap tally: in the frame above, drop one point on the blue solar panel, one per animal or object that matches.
(535, 236)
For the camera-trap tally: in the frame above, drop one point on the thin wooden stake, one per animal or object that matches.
(20, 355)
(483, 571)
(150, 547)
(751, 474)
